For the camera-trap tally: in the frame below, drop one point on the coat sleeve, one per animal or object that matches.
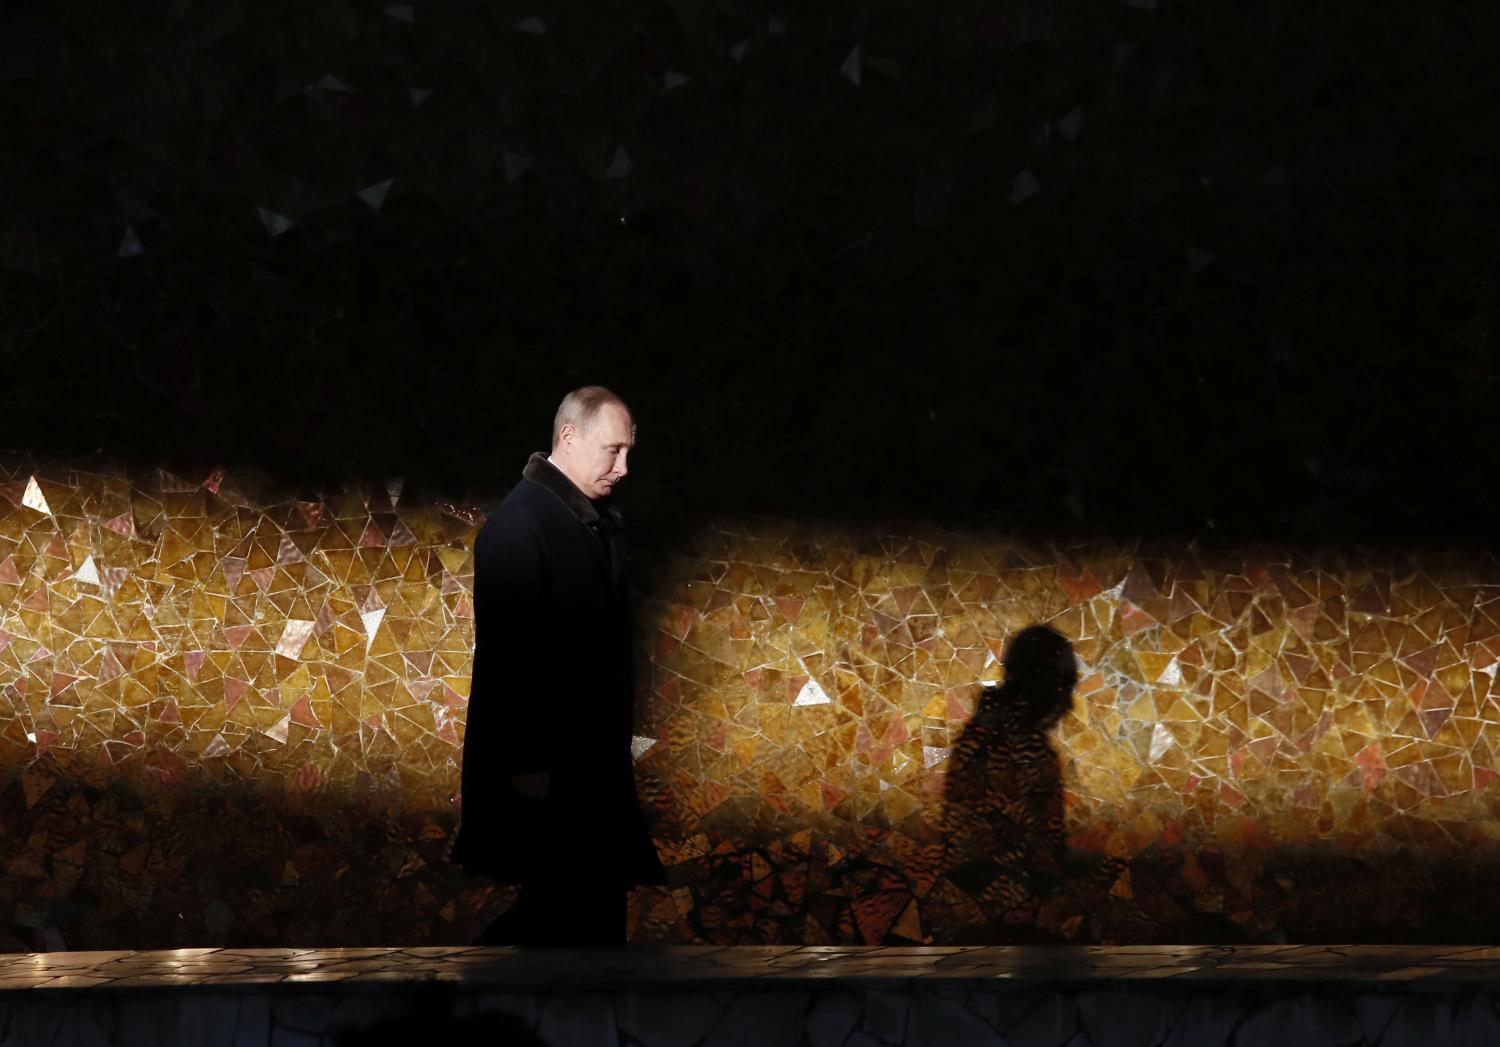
(504, 732)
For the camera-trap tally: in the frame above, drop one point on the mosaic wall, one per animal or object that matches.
(229, 720)
(1263, 744)
(228, 716)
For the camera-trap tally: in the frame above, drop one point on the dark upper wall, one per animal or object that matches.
(1251, 298)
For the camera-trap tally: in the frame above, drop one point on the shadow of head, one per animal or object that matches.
(1040, 674)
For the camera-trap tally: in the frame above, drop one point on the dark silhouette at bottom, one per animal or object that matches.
(441, 1014)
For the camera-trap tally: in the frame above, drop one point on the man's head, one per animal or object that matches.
(592, 434)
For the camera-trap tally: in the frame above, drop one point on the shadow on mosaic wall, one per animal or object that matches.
(230, 716)
(1002, 822)
(1264, 745)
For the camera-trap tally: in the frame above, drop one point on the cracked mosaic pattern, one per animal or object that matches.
(227, 715)
(226, 719)
(1246, 724)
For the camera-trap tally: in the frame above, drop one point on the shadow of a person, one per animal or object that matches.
(1003, 802)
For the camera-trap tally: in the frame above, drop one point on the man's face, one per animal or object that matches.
(596, 454)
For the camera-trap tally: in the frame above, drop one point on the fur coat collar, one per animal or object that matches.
(540, 471)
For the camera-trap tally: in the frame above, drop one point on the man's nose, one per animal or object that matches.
(620, 467)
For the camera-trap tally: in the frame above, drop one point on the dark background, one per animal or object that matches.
(1253, 298)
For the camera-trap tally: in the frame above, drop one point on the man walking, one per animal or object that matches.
(549, 796)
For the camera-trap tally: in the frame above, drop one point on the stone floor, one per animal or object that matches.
(715, 996)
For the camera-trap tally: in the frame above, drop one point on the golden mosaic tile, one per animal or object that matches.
(194, 670)
(1237, 716)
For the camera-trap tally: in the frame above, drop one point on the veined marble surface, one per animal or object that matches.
(781, 966)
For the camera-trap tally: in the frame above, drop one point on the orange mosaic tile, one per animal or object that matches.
(232, 716)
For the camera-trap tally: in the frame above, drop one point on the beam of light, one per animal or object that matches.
(801, 693)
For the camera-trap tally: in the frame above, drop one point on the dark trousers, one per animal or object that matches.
(561, 913)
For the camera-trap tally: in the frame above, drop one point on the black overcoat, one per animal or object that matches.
(552, 691)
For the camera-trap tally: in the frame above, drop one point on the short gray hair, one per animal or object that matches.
(580, 406)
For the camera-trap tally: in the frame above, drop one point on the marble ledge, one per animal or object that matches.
(771, 967)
